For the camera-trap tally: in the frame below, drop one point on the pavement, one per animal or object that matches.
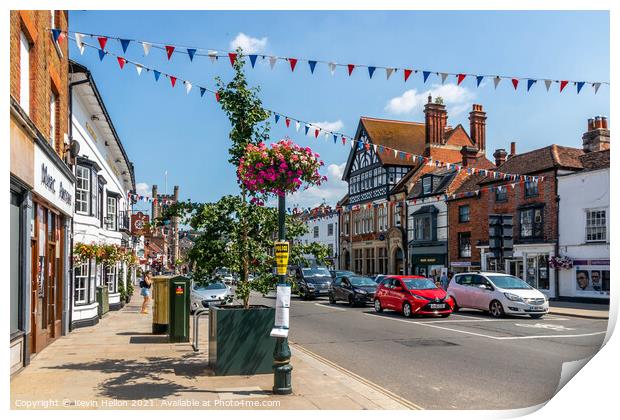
(466, 361)
(583, 310)
(120, 364)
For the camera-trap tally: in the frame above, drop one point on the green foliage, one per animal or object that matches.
(130, 286)
(121, 285)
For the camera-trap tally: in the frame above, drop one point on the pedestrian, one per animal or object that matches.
(444, 280)
(145, 286)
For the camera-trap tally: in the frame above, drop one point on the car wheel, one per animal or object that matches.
(351, 301)
(496, 309)
(332, 300)
(407, 309)
(378, 307)
(536, 316)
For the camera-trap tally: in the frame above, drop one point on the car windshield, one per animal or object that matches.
(212, 286)
(509, 282)
(316, 272)
(344, 273)
(362, 281)
(419, 284)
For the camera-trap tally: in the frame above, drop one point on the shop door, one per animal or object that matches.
(50, 295)
(515, 268)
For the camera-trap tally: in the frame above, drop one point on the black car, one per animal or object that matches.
(340, 273)
(312, 282)
(353, 289)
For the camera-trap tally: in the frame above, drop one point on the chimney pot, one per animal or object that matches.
(603, 122)
(500, 157)
(513, 148)
(597, 137)
(597, 122)
(590, 124)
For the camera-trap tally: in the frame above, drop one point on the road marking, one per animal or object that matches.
(481, 320)
(546, 326)
(330, 307)
(428, 324)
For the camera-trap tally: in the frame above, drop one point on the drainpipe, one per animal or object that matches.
(556, 271)
(406, 237)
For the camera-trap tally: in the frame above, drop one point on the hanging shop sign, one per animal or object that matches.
(139, 222)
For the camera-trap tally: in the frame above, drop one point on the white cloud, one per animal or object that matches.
(330, 191)
(329, 125)
(457, 99)
(249, 44)
(142, 188)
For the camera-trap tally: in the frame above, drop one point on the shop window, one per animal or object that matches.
(15, 232)
(330, 249)
(370, 261)
(24, 73)
(82, 190)
(596, 225)
(537, 271)
(357, 260)
(464, 214)
(531, 189)
(81, 283)
(531, 221)
(465, 245)
(592, 280)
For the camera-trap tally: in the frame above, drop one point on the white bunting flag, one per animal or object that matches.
(79, 43)
(297, 125)
(352, 143)
(547, 84)
(188, 87)
(395, 152)
(212, 56)
(496, 81)
(272, 61)
(147, 48)
(596, 86)
(374, 146)
(332, 68)
(139, 69)
(388, 73)
(326, 135)
(444, 76)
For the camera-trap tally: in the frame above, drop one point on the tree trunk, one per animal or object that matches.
(244, 250)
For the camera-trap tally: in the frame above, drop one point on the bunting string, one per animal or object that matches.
(215, 54)
(144, 198)
(315, 130)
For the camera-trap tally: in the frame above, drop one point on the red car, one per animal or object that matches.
(412, 295)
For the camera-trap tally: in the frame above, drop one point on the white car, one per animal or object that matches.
(497, 293)
(203, 295)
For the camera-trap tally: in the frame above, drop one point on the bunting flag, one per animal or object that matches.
(101, 55)
(316, 133)
(217, 96)
(312, 63)
(287, 121)
(139, 69)
(173, 80)
(188, 87)
(202, 92)
(547, 84)
(121, 62)
(124, 44)
(515, 83)
(297, 125)
(156, 74)
(277, 117)
(190, 53)
(306, 127)
(79, 43)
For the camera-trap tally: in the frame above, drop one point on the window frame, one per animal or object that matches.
(461, 215)
(84, 268)
(604, 225)
(111, 224)
(467, 251)
(25, 46)
(315, 232)
(530, 189)
(537, 228)
(78, 191)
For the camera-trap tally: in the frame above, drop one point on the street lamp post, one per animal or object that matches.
(282, 353)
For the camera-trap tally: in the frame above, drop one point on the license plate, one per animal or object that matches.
(536, 308)
(437, 305)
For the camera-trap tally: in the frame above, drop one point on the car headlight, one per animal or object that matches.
(513, 297)
(360, 291)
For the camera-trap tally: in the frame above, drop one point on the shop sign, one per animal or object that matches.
(51, 184)
(138, 223)
(427, 259)
(460, 264)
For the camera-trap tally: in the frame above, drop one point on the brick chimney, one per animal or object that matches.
(468, 155)
(477, 126)
(154, 206)
(500, 156)
(597, 136)
(513, 149)
(436, 119)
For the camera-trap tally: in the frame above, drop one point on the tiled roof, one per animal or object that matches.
(553, 156)
(404, 136)
(470, 184)
(595, 160)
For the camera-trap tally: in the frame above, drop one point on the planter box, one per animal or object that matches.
(239, 341)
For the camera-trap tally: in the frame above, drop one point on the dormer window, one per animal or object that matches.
(427, 185)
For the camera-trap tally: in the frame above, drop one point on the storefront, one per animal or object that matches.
(50, 224)
(588, 278)
(427, 265)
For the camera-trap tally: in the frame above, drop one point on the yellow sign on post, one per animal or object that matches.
(282, 249)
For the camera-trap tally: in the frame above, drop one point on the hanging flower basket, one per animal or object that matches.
(280, 169)
(561, 263)
(83, 252)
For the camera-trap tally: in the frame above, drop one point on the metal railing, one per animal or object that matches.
(197, 314)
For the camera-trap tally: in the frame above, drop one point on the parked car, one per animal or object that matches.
(340, 273)
(497, 293)
(379, 277)
(352, 289)
(412, 295)
(312, 282)
(204, 294)
(225, 275)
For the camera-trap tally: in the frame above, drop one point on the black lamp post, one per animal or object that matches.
(282, 353)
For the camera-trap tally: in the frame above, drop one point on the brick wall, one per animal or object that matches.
(48, 69)
(485, 204)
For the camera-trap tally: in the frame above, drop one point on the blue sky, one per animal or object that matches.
(165, 129)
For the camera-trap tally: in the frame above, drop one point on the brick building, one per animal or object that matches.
(163, 242)
(387, 159)
(533, 205)
(42, 184)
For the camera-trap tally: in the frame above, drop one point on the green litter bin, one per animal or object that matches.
(103, 300)
(178, 310)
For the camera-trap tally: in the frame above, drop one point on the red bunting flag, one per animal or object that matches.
(102, 41)
(343, 140)
(217, 96)
(121, 62)
(350, 67)
(460, 78)
(563, 84)
(61, 37)
(515, 83)
(316, 132)
(169, 51)
(232, 57)
(367, 146)
(293, 62)
(173, 80)
(407, 74)
(288, 122)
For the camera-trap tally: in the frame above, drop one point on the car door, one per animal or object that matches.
(483, 292)
(398, 296)
(461, 291)
(383, 293)
(345, 288)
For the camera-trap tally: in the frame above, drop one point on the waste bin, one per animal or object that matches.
(159, 290)
(178, 311)
(103, 301)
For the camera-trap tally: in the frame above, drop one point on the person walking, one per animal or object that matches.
(145, 286)
(444, 280)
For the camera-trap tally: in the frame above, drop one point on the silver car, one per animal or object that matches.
(204, 294)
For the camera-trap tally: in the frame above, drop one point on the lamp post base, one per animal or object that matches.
(282, 368)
